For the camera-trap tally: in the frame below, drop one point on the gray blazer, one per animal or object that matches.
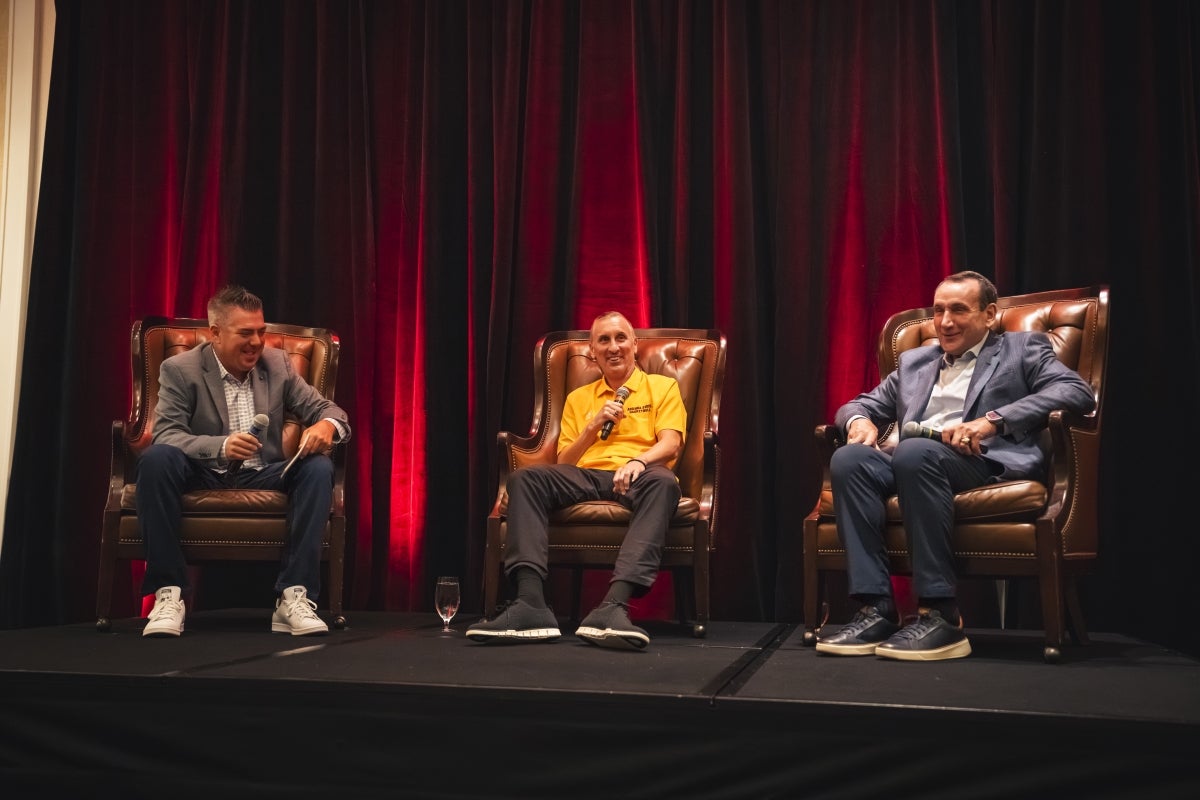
(192, 414)
(1017, 375)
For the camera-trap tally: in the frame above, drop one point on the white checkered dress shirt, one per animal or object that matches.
(239, 397)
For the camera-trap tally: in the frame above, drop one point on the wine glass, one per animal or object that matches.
(445, 600)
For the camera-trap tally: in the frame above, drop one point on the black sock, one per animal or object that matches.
(529, 587)
(883, 603)
(946, 606)
(620, 591)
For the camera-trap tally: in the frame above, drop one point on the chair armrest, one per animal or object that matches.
(712, 475)
(118, 466)
(828, 438)
(338, 455)
(513, 452)
(1074, 457)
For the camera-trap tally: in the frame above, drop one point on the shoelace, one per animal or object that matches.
(859, 623)
(165, 608)
(924, 624)
(502, 609)
(302, 607)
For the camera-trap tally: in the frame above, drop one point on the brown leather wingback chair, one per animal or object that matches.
(588, 535)
(218, 525)
(1046, 530)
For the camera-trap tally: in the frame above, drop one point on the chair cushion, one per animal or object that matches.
(219, 502)
(610, 512)
(992, 502)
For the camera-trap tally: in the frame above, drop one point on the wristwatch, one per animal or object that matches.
(996, 420)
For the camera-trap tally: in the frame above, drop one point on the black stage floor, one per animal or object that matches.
(391, 707)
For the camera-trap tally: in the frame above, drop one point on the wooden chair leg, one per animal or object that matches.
(337, 564)
(108, 565)
(491, 566)
(1050, 583)
(811, 583)
(700, 578)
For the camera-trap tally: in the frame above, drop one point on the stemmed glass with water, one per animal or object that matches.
(445, 600)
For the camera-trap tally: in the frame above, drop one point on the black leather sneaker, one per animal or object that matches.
(929, 638)
(516, 622)
(860, 636)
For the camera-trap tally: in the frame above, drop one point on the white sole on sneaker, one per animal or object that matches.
(527, 635)
(960, 649)
(283, 627)
(161, 633)
(617, 640)
(866, 649)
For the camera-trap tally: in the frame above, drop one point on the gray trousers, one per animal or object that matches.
(533, 492)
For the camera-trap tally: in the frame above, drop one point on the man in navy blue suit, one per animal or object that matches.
(983, 396)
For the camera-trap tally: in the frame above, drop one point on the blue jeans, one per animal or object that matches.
(165, 473)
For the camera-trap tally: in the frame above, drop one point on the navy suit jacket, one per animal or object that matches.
(192, 413)
(1016, 375)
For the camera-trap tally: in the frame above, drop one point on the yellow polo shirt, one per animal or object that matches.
(654, 404)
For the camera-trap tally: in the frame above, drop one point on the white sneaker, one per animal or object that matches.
(166, 618)
(296, 614)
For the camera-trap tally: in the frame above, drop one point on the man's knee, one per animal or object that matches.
(161, 462)
(661, 482)
(848, 459)
(913, 455)
(525, 480)
(316, 469)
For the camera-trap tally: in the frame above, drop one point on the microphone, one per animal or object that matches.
(606, 429)
(913, 429)
(257, 428)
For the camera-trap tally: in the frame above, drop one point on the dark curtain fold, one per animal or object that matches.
(443, 182)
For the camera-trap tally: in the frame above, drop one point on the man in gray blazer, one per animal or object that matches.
(209, 434)
(980, 398)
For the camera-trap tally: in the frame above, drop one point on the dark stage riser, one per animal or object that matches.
(392, 708)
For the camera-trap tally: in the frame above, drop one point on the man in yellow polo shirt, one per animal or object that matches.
(630, 463)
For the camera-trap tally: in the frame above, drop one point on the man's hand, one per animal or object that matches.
(626, 474)
(611, 410)
(862, 431)
(317, 439)
(966, 437)
(240, 446)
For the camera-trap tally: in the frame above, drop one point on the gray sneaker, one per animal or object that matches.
(861, 636)
(929, 638)
(608, 626)
(516, 621)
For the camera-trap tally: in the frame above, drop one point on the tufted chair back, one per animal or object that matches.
(218, 525)
(589, 534)
(1041, 528)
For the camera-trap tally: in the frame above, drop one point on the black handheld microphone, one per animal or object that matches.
(606, 429)
(257, 428)
(913, 429)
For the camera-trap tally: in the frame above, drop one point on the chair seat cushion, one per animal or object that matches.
(610, 512)
(992, 502)
(220, 502)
